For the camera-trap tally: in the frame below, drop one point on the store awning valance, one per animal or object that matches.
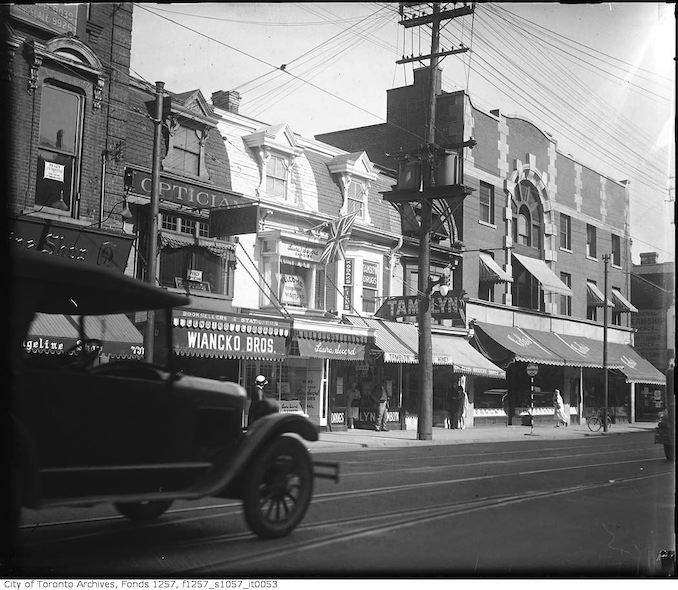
(504, 344)
(398, 341)
(633, 366)
(455, 351)
(546, 277)
(216, 247)
(491, 272)
(621, 303)
(333, 340)
(57, 333)
(211, 334)
(594, 296)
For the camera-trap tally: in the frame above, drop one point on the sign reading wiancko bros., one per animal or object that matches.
(448, 307)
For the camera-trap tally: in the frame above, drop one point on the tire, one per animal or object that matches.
(278, 488)
(594, 423)
(668, 452)
(141, 511)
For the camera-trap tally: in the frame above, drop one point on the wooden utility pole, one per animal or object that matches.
(429, 155)
(152, 250)
(606, 261)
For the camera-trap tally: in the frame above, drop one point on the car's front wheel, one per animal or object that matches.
(278, 488)
(143, 510)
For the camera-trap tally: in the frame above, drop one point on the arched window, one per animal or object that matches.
(527, 215)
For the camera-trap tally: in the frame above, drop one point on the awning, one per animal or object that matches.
(455, 350)
(621, 303)
(504, 344)
(633, 366)
(491, 272)
(594, 296)
(546, 277)
(576, 351)
(398, 341)
(216, 247)
(56, 333)
(330, 340)
(210, 334)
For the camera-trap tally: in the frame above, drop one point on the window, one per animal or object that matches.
(486, 202)
(527, 215)
(370, 286)
(61, 115)
(184, 152)
(566, 300)
(184, 225)
(616, 250)
(276, 177)
(524, 235)
(616, 312)
(592, 304)
(486, 291)
(320, 288)
(355, 195)
(565, 232)
(591, 249)
(216, 271)
(526, 290)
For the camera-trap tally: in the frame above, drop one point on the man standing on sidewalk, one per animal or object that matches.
(382, 407)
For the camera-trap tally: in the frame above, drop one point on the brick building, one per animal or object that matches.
(534, 231)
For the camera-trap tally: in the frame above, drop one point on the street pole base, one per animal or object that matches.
(424, 436)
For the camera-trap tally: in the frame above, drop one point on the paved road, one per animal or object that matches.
(562, 504)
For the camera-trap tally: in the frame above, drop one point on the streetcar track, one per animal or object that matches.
(317, 499)
(415, 517)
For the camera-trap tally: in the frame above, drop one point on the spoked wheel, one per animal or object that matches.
(143, 510)
(594, 423)
(278, 488)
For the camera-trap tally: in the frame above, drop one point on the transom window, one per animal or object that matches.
(184, 225)
(527, 215)
(61, 113)
(276, 177)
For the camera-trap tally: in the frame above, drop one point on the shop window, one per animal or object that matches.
(294, 281)
(566, 300)
(61, 115)
(276, 176)
(370, 286)
(565, 232)
(486, 203)
(211, 272)
(591, 246)
(616, 250)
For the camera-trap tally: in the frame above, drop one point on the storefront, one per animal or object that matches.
(572, 364)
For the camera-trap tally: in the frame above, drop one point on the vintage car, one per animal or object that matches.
(665, 433)
(137, 434)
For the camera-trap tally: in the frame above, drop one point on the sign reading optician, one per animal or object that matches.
(178, 191)
(60, 18)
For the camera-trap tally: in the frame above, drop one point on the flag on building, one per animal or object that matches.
(340, 232)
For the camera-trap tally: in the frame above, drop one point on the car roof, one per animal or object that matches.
(51, 284)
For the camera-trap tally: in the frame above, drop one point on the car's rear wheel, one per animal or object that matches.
(668, 452)
(143, 510)
(278, 488)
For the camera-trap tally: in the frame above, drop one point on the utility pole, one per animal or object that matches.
(606, 261)
(152, 251)
(428, 168)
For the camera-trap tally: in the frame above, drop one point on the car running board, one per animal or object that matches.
(326, 470)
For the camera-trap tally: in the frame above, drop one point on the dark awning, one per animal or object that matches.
(211, 334)
(504, 344)
(576, 351)
(594, 296)
(633, 366)
(398, 341)
(330, 340)
(491, 272)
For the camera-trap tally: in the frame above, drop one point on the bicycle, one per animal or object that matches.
(595, 421)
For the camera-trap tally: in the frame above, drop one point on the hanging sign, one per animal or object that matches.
(451, 306)
(532, 369)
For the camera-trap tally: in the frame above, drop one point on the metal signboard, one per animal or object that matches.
(234, 221)
(451, 306)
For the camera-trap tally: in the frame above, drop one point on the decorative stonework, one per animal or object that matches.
(503, 163)
(578, 200)
(603, 198)
(552, 171)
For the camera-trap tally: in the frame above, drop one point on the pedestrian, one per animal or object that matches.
(559, 409)
(381, 396)
(460, 417)
(260, 404)
(453, 400)
(351, 395)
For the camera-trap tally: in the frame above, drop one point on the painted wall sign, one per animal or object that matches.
(60, 18)
(449, 307)
(179, 191)
(85, 245)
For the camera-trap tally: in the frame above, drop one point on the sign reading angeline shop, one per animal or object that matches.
(451, 306)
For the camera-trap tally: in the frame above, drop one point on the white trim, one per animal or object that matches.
(486, 224)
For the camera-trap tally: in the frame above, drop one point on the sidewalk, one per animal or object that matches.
(356, 440)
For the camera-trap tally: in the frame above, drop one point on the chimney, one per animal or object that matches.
(227, 100)
(648, 258)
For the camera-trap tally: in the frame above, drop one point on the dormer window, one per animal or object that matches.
(186, 150)
(355, 198)
(276, 176)
(353, 173)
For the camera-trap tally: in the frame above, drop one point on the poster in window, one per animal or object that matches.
(54, 171)
(370, 274)
(293, 290)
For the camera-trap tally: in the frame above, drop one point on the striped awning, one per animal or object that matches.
(397, 341)
(546, 277)
(491, 272)
(621, 303)
(594, 296)
(454, 350)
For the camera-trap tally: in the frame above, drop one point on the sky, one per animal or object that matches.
(599, 77)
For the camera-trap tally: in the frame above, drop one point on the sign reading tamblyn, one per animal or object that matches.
(450, 306)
